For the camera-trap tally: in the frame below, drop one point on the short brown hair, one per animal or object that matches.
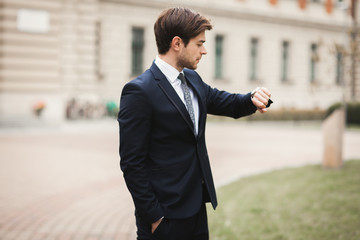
(181, 22)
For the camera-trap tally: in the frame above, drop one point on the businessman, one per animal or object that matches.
(162, 121)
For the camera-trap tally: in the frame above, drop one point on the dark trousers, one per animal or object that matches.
(192, 228)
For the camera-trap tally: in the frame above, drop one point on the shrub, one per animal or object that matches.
(352, 112)
(290, 115)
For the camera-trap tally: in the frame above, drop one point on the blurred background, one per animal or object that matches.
(63, 64)
(68, 59)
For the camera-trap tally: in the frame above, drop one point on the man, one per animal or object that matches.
(162, 131)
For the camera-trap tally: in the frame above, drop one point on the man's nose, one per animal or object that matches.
(203, 51)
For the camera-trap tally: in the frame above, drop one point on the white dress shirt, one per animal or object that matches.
(172, 74)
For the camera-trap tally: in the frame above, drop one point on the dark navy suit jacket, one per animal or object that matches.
(166, 167)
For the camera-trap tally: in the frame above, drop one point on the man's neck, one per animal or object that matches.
(168, 58)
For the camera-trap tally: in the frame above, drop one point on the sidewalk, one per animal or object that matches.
(59, 184)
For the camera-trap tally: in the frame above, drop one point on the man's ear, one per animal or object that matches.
(176, 43)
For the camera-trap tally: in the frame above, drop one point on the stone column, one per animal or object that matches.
(333, 129)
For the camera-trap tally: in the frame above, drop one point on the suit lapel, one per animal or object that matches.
(171, 94)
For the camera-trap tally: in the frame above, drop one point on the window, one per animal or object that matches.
(313, 62)
(285, 61)
(137, 50)
(253, 59)
(219, 56)
(98, 72)
(339, 67)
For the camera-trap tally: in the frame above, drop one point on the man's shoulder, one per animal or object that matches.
(141, 85)
(142, 80)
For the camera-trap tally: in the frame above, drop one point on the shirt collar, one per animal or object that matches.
(169, 71)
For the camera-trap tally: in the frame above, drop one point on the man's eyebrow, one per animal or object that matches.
(202, 41)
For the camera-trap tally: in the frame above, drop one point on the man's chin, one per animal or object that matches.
(193, 67)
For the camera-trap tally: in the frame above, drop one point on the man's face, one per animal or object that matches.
(190, 55)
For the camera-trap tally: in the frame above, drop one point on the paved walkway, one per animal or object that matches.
(65, 184)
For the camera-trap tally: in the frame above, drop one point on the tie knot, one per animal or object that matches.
(182, 78)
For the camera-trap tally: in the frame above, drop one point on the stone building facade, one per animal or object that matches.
(60, 53)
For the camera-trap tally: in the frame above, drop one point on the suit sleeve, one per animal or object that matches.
(135, 125)
(228, 104)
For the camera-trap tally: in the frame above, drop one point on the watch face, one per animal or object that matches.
(269, 103)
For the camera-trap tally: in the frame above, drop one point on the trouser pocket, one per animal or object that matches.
(162, 231)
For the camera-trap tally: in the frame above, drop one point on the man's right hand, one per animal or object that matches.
(155, 225)
(260, 98)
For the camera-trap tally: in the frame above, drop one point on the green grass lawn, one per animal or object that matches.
(309, 203)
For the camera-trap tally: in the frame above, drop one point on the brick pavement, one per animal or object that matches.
(65, 184)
